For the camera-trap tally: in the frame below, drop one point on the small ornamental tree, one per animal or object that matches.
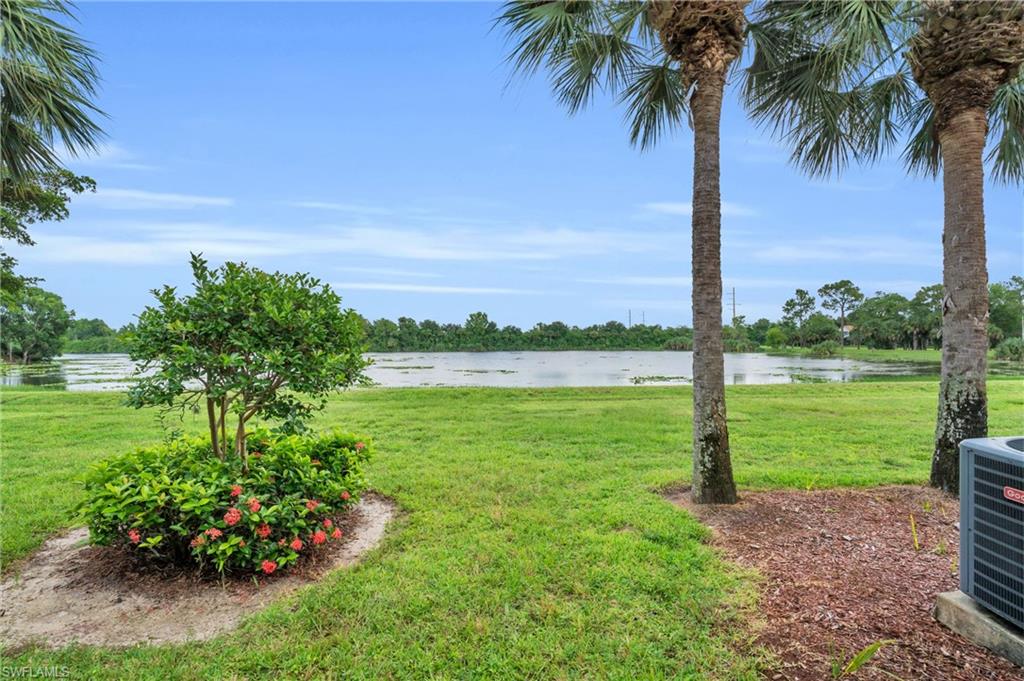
(246, 343)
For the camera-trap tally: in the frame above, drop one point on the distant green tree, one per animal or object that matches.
(776, 337)
(480, 332)
(92, 336)
(245, 344)
(819, 328)
(925, 317)
(842, 297)
(408, 334)
(32, 323)
(1006, 309)
(384, 336)
(882, 320)
(82, 329)
(797, 309)
(759, 330)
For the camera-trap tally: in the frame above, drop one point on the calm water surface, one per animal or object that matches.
(510, 369)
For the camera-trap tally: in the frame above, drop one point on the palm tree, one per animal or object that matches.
(48, 78)
(847, 80)
(662, 60)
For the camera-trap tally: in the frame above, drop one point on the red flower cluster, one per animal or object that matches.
(360, 446)
(296, 544)
(232, 516)
(312, 504)
(134, 536)
(213, 533)
(345, 496)
(337, 533)
(198, 541)
(254, 505)
(263, 531)
(328, 522)
(268, 567)
(236, 490)
(319, 537)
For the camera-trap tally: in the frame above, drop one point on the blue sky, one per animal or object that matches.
(378, 147)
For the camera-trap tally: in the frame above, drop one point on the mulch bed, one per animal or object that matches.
(841, 572)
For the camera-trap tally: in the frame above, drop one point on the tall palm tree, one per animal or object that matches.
(662, 60)
(48, 78)
(846, 81)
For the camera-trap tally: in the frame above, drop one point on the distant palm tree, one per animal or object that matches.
(48, 78)
(846, 80)
(664, 60)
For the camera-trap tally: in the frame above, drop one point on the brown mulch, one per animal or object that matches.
(841, 572)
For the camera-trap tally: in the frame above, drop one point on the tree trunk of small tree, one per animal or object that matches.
(963, 408)
(211, 414)
(240, 444)
(712, 468)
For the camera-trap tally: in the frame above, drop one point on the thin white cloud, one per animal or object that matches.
(841, 185)
(879, 249)
(686, 208)
(170, 241)
(340, 207)
(389, 272)
(687, 282)
(108, 155)
(641, 281)
(419, 288)
(138, 199)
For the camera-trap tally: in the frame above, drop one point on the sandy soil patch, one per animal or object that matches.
(71, 592)
(841, 572)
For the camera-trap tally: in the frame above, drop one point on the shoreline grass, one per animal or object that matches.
(533, 543)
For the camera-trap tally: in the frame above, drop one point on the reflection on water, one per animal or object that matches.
(509, 369)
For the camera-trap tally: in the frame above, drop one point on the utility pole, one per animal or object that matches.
(629, 323)
(643, 318)
(734, 304)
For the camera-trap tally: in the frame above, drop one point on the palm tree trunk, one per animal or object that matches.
(963, 409)
(712, 469)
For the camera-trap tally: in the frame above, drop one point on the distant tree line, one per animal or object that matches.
(882, 321)
(95, 336)
(480, 333)
(37, 326)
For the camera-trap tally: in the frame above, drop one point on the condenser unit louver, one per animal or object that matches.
(992, 525)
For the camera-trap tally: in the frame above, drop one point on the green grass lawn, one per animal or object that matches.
(532, 542)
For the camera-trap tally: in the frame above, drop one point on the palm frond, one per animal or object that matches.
(48, 79)
(1006, 117)
(590, 62)
(656, 101)
(828, 78)
(540, 29)
(922, 155)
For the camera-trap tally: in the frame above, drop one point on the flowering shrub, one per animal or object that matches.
(178, 502)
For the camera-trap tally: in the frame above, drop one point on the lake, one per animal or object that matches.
(510, 370)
